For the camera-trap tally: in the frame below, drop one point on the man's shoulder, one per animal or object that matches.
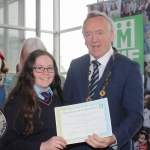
(122, 57)
(80, 62)
(126, 62)
(83, 59)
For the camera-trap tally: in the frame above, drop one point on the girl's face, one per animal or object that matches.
(45, 78)
(113, 5)
(104, 8)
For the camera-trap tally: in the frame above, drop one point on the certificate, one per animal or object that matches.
(75, 122)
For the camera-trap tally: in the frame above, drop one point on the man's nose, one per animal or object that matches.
(94, 38)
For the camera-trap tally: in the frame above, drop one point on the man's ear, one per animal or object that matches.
(111, 36)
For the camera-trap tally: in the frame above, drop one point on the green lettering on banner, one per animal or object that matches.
(129, 38)
(123, 36)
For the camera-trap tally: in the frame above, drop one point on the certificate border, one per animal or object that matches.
(101, 102)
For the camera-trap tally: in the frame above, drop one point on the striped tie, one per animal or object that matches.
(47, 98)
(94, 78)
(45, 95)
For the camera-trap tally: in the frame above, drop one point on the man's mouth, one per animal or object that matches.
(95, 46)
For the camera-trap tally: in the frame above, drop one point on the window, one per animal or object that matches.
(71, 46)
(20, 15)
(73, 12)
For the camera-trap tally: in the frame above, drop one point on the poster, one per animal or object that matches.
(110, 8)
(126, 31)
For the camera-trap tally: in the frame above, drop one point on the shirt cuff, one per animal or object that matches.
(114, 145)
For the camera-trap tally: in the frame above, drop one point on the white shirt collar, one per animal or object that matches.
(38, 91)
(104, 59)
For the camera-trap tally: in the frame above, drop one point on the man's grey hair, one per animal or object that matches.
(94, 14)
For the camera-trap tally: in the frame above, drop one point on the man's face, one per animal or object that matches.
(98, 36)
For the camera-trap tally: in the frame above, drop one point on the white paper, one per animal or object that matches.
(75, 122)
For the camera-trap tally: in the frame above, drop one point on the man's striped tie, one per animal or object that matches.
(94, 78)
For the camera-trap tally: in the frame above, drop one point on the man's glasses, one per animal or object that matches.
(42, 69)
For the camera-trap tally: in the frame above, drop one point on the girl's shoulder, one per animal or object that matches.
(16, 101)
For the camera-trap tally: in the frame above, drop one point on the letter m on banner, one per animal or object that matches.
(124, 34)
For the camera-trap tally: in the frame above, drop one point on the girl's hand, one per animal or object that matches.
(55, 143)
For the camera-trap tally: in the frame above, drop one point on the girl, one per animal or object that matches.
(105, 9)
(113, 6)
(30, 118)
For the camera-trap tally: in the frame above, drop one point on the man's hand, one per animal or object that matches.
(97, 142)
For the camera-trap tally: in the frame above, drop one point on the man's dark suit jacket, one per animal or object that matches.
(124, 92)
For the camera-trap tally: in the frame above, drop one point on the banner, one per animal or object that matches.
(127, 30)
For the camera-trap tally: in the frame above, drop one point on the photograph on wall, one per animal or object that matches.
(147, 74)
(145, 130)
(136, 7)
(146, 39)
(110, 8)
(146, 124)
(142, 138)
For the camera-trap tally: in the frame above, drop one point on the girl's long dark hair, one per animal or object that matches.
(4, 67)
(25, 85)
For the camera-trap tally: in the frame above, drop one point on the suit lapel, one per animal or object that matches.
(104, 76)
(85, 76)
